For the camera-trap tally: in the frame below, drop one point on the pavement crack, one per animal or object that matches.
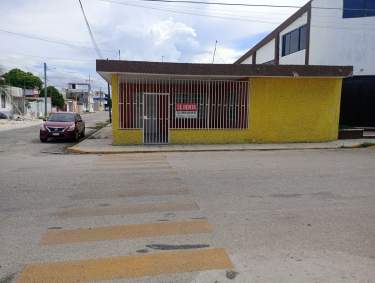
(165, 247)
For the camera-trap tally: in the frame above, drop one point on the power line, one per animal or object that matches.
(49, 58)
(223, 17)
(222, 3)
(188, 13)
(90, 32)
(252, 5)
(60, 42)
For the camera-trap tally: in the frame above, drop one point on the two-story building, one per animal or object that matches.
(329, 32)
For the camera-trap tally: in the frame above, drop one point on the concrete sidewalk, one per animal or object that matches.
(101, 143)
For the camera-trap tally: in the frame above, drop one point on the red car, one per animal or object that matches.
(62, 125)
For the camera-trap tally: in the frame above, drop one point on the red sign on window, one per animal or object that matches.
(186, 107)
(186, 110)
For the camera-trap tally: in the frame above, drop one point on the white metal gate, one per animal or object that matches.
(155, 118)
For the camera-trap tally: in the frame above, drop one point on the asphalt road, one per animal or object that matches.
(275, 216)
(26, 140)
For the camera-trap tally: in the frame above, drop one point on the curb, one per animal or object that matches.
(71, 148)
(80, 151)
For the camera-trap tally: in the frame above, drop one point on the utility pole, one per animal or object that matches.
(213, 57)
(119, 54)
(109, 104)
(101, 98)
(45, 90)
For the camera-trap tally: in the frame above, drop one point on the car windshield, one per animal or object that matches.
(66, 117)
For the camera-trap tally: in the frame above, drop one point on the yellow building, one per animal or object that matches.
(178, 103)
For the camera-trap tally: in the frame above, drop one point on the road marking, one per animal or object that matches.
(129, 209)
(126, 267)
(55, 237)
(130, 193)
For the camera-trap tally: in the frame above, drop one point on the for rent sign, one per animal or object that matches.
(186, 110)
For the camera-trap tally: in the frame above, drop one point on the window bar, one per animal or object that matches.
(201, 105)
(242, 102)
(159, 110)
(173, 84)
(226, 97)
(178, 97)
(169, 110)
(219, 104)
(207, 84)
(156, 98)
(125, 86)
(123, 91)
(221, 114)
(240, 105)
(236, 104)
(189, 101)
(246, 101)
(247, 104)
(133, 107)
(227, 104)
(242, 99)
(137, 104)
(190, 95)
(120, 106)
(156, 116)
(214, 102)
(183, 99)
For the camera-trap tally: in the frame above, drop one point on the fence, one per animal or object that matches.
(191, 104)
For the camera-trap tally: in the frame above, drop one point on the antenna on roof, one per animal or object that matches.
(213, 57)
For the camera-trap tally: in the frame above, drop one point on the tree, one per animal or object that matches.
(57, 99)
(2, 82)
(19, 78)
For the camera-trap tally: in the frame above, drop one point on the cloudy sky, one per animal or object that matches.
(54, 31)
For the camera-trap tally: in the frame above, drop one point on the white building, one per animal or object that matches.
(328, 32)
(81, 97)
(12, 101)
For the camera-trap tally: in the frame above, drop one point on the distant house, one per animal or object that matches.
(80, 97)
(343, 34)
(11, 101)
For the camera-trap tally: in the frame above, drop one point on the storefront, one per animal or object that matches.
(161, 103)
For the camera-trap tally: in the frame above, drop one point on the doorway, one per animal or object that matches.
(155, 118)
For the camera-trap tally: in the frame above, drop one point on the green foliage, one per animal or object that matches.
(19, 78)
(56, 97)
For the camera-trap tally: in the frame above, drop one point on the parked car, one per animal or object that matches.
(3, 116)
(62, 125)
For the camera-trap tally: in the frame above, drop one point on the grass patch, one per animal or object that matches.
(100, 125)
(361, 145)
(7, 279)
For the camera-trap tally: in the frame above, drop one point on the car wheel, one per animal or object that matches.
(43, 139)
(76, 136)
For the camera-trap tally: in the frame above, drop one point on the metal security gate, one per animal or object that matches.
(155, 118)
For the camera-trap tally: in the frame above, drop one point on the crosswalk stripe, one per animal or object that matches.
(128, 209)
(126, 267)
(54, 237)
(131, 193)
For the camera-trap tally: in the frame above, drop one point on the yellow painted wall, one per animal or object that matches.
(119, 137)
(281, 110)
(294, 109)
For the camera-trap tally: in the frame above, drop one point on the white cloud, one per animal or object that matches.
(140, 33)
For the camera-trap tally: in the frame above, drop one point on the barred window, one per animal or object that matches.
(191, 104)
